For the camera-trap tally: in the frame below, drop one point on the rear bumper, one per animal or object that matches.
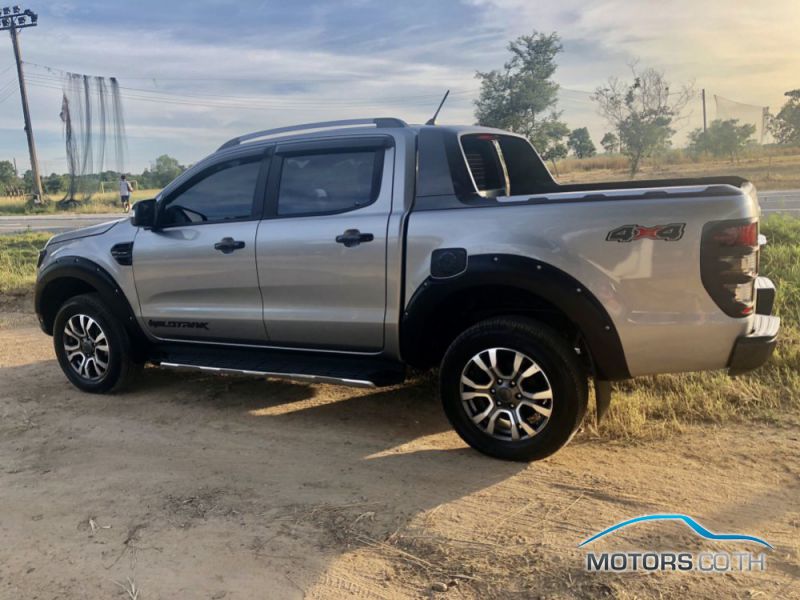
(754, 349)
(765, 296)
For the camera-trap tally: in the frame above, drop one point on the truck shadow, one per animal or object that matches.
(290, 478)
(320, 457)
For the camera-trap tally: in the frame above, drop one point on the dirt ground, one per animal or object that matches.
(193, 486)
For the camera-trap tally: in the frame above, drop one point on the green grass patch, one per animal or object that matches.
(18, 256)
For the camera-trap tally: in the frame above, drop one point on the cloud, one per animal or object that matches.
(709, 41)
(221, 86)
(246, 66)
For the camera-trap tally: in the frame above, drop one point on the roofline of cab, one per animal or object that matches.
(255, 146)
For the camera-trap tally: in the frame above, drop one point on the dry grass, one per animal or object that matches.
(658, 406)
(130, 588)
(767, 168)
(99, 203)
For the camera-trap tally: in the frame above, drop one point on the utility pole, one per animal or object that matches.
(704, 109)
(12, 19)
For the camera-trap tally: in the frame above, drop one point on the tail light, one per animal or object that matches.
(729, 264)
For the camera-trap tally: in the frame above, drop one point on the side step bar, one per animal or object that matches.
(341, 369)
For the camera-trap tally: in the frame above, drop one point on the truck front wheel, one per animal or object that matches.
(513, 388)
(92, 347)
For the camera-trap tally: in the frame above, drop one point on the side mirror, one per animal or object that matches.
(144, 213)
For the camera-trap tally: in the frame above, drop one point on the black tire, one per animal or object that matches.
(560, 371)
(120, 369)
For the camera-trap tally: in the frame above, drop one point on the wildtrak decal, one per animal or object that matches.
(630, 233)
(179, 324)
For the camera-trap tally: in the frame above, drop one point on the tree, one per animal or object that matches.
(165, 169)
(27, 180)
(7, 173)
(521, 97)
(53, 184)
(8, 177)
(610, 143)
(785, 126)
(642, 112)
(580, 142)
(722, 138)
(554, 148)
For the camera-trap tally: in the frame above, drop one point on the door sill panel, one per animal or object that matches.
(341, 369)
(263, 346)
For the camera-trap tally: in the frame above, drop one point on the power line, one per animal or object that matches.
(51, 75)
(6, 86)
(581, 92)
(254, 79)
(7, 91)
(240, 102)
(156, 78)
(249, 100)
(225, 106)
(7, 96)
(422, 98)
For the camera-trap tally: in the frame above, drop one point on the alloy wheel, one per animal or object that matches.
(86, 347)
(506, 394)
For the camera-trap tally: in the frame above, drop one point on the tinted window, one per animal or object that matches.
(225, 192)
(490, 158)
(526, 172)
(483, 162)
(328, 182)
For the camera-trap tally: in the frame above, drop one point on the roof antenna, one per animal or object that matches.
(432, 120)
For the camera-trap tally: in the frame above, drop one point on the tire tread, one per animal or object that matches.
(569, 369)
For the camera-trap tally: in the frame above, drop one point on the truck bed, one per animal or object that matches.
(646, 183)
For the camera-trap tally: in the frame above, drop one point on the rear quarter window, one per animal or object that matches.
(485, 164)
(502, 165)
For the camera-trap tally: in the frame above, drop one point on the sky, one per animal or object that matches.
(196, 73)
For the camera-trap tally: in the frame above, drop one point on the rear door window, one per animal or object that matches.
(329, 182)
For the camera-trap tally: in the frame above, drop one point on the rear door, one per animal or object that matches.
(196, 272)
(321, 252)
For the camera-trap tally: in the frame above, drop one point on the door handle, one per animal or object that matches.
(227, 245)
(353, 237)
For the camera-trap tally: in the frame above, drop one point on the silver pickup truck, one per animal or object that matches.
(346, 251)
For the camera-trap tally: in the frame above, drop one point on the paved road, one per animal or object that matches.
(774, 201)
(780, 201)
(52, 223)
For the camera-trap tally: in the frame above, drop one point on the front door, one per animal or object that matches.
(321, 251)
(195, 273)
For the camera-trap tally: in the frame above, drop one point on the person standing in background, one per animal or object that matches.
(125, 190)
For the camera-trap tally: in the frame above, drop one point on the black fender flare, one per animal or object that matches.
(540, 279)
(94, 276)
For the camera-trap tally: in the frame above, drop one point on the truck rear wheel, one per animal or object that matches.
(92, 347)
(513, 388)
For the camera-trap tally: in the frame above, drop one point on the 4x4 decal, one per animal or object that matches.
(630, 233)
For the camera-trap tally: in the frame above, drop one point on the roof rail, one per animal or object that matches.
(378, 122)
